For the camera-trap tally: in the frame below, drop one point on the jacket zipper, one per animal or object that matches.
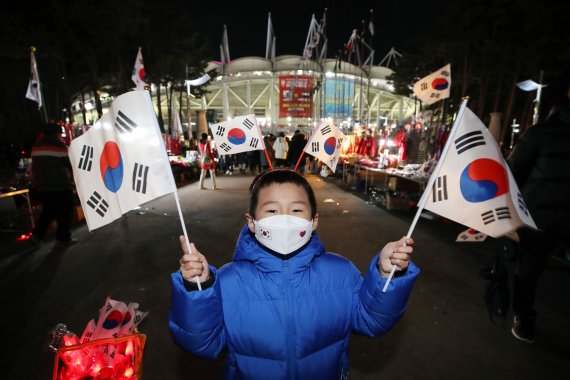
(290, 325)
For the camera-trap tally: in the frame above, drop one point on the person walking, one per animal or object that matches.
(52, 178)
(207, 162)
(280, 146)
(298, 142)
(539, 164)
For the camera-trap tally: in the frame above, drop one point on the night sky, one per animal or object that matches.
(395, 22)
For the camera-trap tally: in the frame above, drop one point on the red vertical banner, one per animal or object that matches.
(295, 98)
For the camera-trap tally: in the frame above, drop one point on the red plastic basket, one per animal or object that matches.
(102, 359)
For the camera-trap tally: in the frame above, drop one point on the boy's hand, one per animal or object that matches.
(395, 253)
(193, 263)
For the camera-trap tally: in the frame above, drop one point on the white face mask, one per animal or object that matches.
(283, 233)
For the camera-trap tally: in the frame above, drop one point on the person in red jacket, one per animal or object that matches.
(207, 161)
(52, 177)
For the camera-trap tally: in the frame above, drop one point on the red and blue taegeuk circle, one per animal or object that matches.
(113, 320)
(483, 179)
(111, 165)
(236, 136)
(126, 318)
(330, 145)
(439, 84)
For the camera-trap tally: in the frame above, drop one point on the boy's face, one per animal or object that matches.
(282, 199)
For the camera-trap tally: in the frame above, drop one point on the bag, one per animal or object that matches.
(496, 292)
(206, 160)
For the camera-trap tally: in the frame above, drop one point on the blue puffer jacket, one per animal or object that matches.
(286, 319)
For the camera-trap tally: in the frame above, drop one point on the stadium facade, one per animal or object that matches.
(285, 94)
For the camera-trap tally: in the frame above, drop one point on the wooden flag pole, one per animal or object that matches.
(429, 185)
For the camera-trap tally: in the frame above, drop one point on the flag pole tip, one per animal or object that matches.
(33, 48)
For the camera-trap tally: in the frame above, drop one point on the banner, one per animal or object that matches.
(120, 162)
(295, 98)
(339, 97)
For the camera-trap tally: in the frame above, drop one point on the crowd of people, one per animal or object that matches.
(282, 152)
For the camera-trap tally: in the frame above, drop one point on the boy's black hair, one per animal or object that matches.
(269, 177)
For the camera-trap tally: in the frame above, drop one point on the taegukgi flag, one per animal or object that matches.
(34, 91)
(325, 144)
(139, 75)
(435, 86)
(120, 162)
(240, 134)
(474, 185)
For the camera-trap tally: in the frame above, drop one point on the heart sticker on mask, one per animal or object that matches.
(302, 233)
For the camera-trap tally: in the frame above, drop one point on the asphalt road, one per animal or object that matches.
(445, 334)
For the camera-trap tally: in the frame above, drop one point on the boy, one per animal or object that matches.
(284, 308)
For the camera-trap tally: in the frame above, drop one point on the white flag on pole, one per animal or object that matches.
(34, 91)
(176, 126)
(474, 185)
(269, 49)
(529, 85)
(325, 144)
(121, 162)
(225, 47)
(435, 86)
(139, 75)
(240, 134)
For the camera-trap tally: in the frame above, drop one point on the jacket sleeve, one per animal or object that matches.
(377, 312)
(196, 318)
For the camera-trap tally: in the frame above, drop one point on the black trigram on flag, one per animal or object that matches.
(220, 131)
(248, 123)
(86, 337)
(254, 141)
(439, 192)
(325, 130)
(140, 173)
(98, 204)
(225, 147)
(468, 141)
(522, 205)
(333, 161)
(315, 147)
(86, 158)
(497, 214)
(124, 124)
(339, 142)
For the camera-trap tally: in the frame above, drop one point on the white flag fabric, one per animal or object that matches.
(176, 126)
(325, 144)
(139, 75)
(269, 49)
(529, 85)
(240, 134)
(34, 91)
(120, 162)
(474, 185)
(435, 86)
(225, 47)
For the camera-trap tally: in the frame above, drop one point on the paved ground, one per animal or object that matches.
(445, 334)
